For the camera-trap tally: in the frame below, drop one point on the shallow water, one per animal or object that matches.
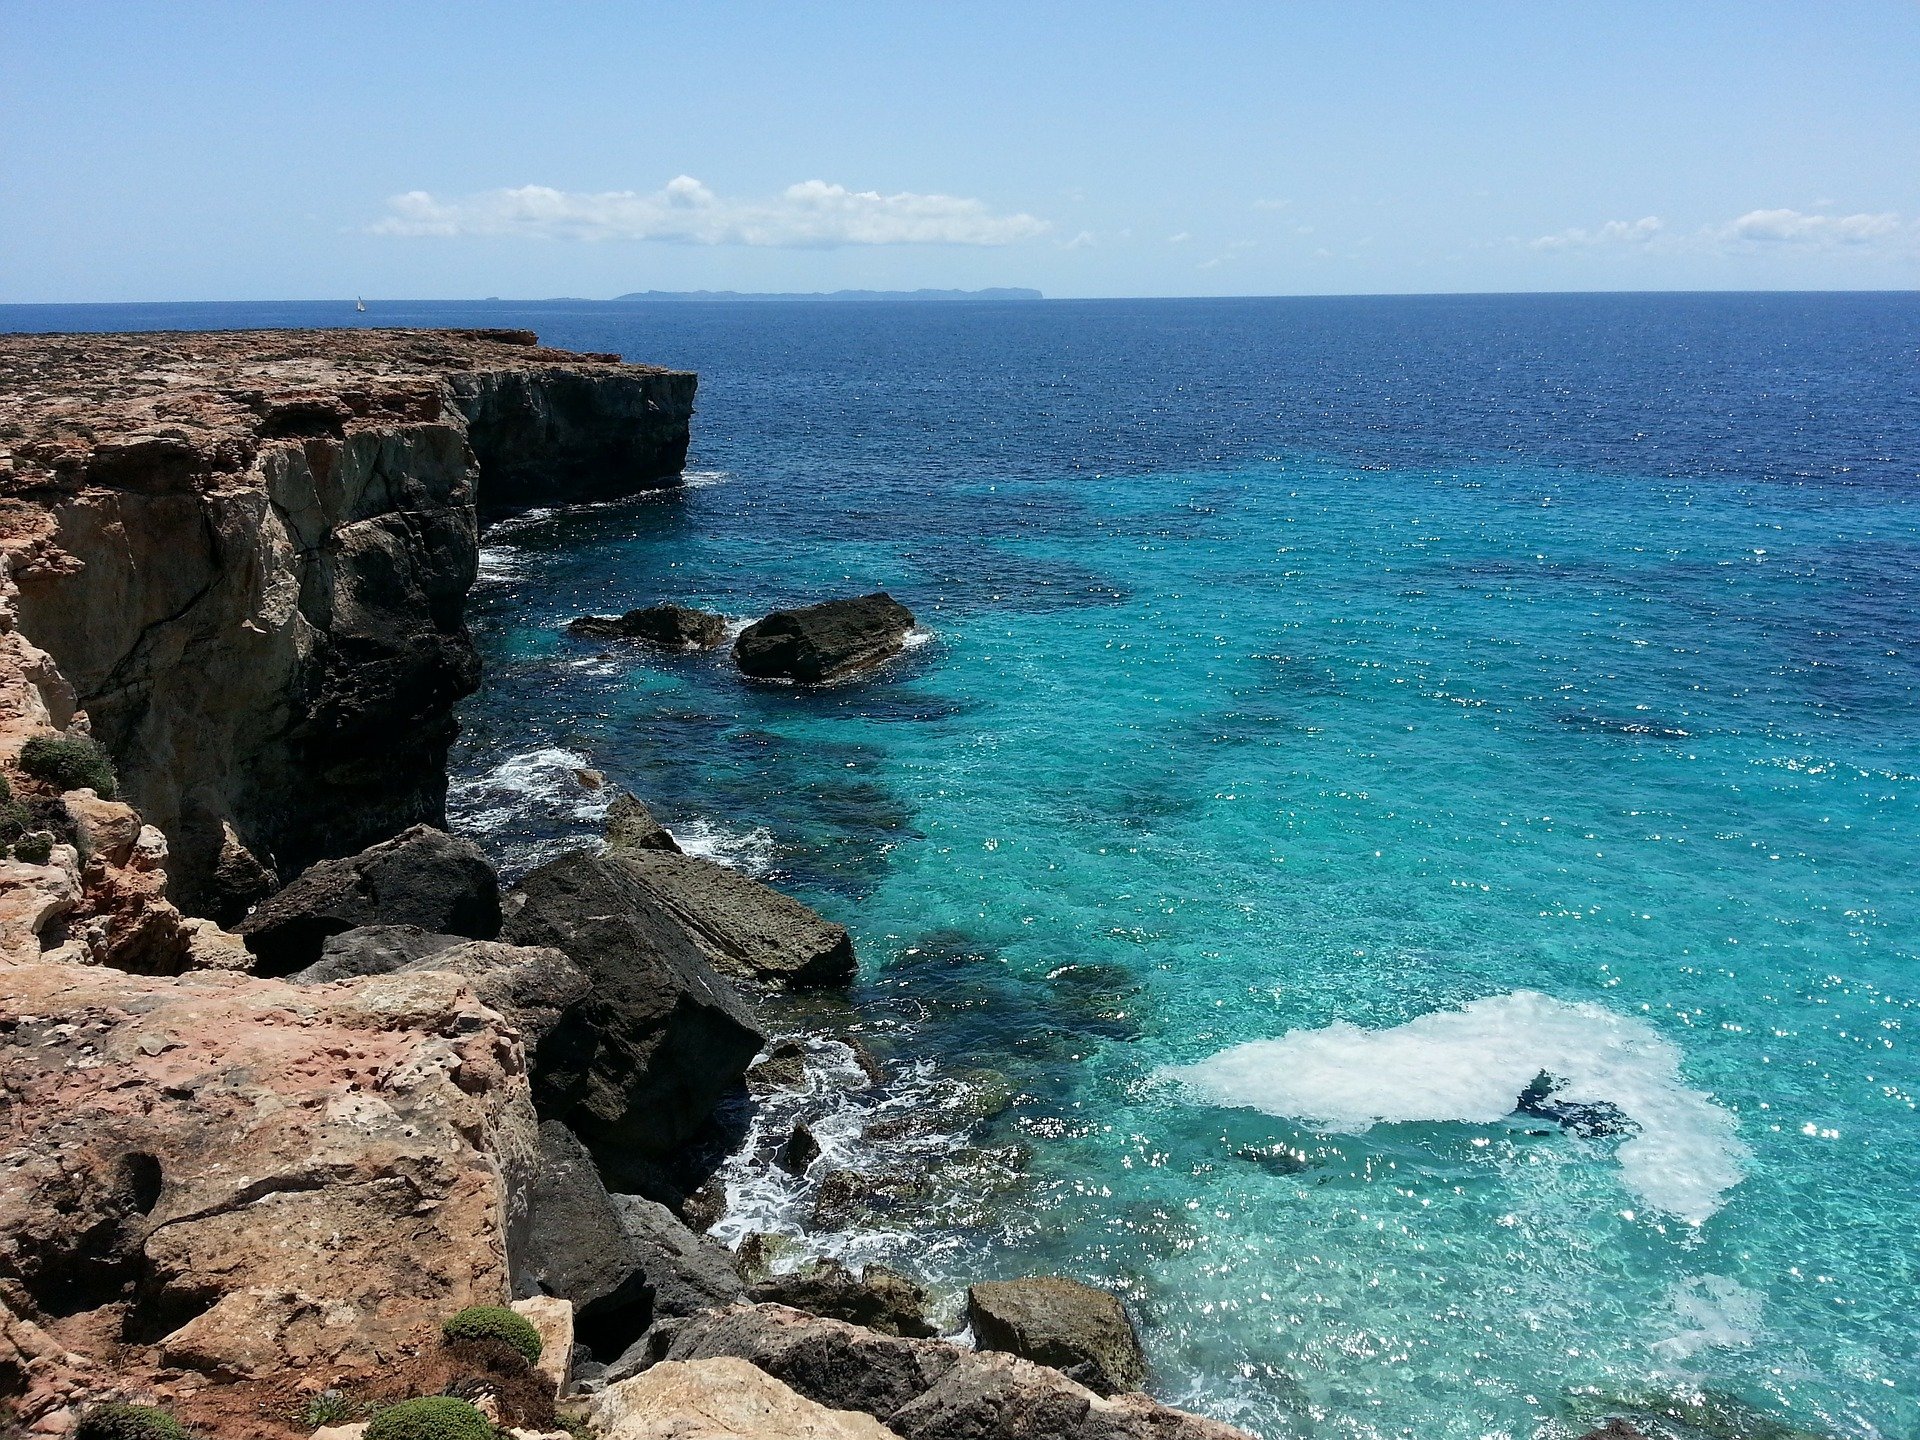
(1335, 714)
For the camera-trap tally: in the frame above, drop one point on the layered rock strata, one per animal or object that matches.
(243, 556)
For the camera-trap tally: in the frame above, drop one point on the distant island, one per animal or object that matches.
(999, 293)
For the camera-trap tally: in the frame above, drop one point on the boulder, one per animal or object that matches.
(783, 1067)
(1049, 1320)
(422, 877)
(689, 1273)
(799, 1150)
(577, 1249)
(244, 1177)
(659, 1036)
(631, 826)
(878, 1298)
(553, 1318)
(746, 930)
(671, 627)
(371, 950)
(923, 1389)
(720, 1399)
(824, 642)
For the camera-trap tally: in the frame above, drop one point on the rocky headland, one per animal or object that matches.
(310, 1127)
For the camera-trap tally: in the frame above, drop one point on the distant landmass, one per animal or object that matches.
(1004, 292)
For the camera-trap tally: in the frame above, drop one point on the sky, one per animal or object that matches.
(288, 150)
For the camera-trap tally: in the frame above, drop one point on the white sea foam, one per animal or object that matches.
(1471, 1064)
(916, 637)
(548, 779)
(701, 479)
(499, 563)
(1718, 1312)
(750, 850)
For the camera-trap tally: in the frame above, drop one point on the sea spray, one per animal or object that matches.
(1472, 1064)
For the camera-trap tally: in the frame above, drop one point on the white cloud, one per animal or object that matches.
(1182, 238)
(810, 214)
(1798, 227)
(1082, 241)
(1614, 232)
(1271, 204)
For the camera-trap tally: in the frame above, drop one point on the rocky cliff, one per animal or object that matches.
(244, 557)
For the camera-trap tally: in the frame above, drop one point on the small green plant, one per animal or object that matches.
(69, 762)
(437, 1417)
(129, 1422)
(34, 849)
(329, 1407)
(495, 1322)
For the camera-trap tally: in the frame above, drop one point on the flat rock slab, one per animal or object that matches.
(747, 930)
(720, 1399)
(670, 627)
(826, 642)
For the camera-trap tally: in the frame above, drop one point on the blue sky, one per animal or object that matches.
(290, 150)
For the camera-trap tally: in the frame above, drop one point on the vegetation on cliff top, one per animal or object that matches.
(495, 1322)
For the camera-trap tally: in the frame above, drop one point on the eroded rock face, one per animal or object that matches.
(630, 826)
(1051, 1320)
(825, 642)
(247, 553)
(722, 1399)
(880, 1299)
(746, 930)
(662, 1037)
(244, 1177)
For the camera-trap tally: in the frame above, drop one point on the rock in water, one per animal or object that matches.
(720, 1399)
(878, 1298)
(1079, 1330)
(660, 1038)
(824, 642)
(236, 1158)
(671, 627)
(631, 826)
(1589, 1119)
(746, 930)
(422, 877)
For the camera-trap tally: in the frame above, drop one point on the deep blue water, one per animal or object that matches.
(1334, 712)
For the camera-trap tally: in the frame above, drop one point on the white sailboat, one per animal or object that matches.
(359, 304)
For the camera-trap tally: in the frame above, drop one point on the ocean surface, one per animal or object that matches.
(1330, 716)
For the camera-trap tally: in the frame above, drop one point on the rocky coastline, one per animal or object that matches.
(298, 1100)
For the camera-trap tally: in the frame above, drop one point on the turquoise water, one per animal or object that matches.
(1332, 715)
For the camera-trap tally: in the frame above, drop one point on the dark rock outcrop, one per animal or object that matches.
(878, 1298)
(746, 930)
(372, 950)
(423, 877)
(1079, 1330)
(1589, 1119)
(689, 1273)
(661, 1036)
(922, 1389)
(630, 826)
(576, 1248)
(670, 627)
(247, 554)
(825, 642)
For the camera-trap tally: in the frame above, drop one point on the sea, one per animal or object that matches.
(1326, 718)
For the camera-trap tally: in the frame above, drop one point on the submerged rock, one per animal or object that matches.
(880, 1299)
(1589, 1119)
(671, 627)
(422, 877)
(660, 1036)
(824, 642)
(1081, 1331)
(746, 930)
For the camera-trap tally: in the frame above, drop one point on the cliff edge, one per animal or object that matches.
(244, 557)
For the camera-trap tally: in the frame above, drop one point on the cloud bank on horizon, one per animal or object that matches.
(1756, 228)
(811, 214)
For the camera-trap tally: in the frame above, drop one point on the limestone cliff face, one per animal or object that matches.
(247, 555)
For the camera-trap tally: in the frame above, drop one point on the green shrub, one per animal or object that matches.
(129, 1422)
(69, 762)
(438, 1417)
(34, 849)
(6, 789)
(15, 821)
(329, 1407)
(495, 1322)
